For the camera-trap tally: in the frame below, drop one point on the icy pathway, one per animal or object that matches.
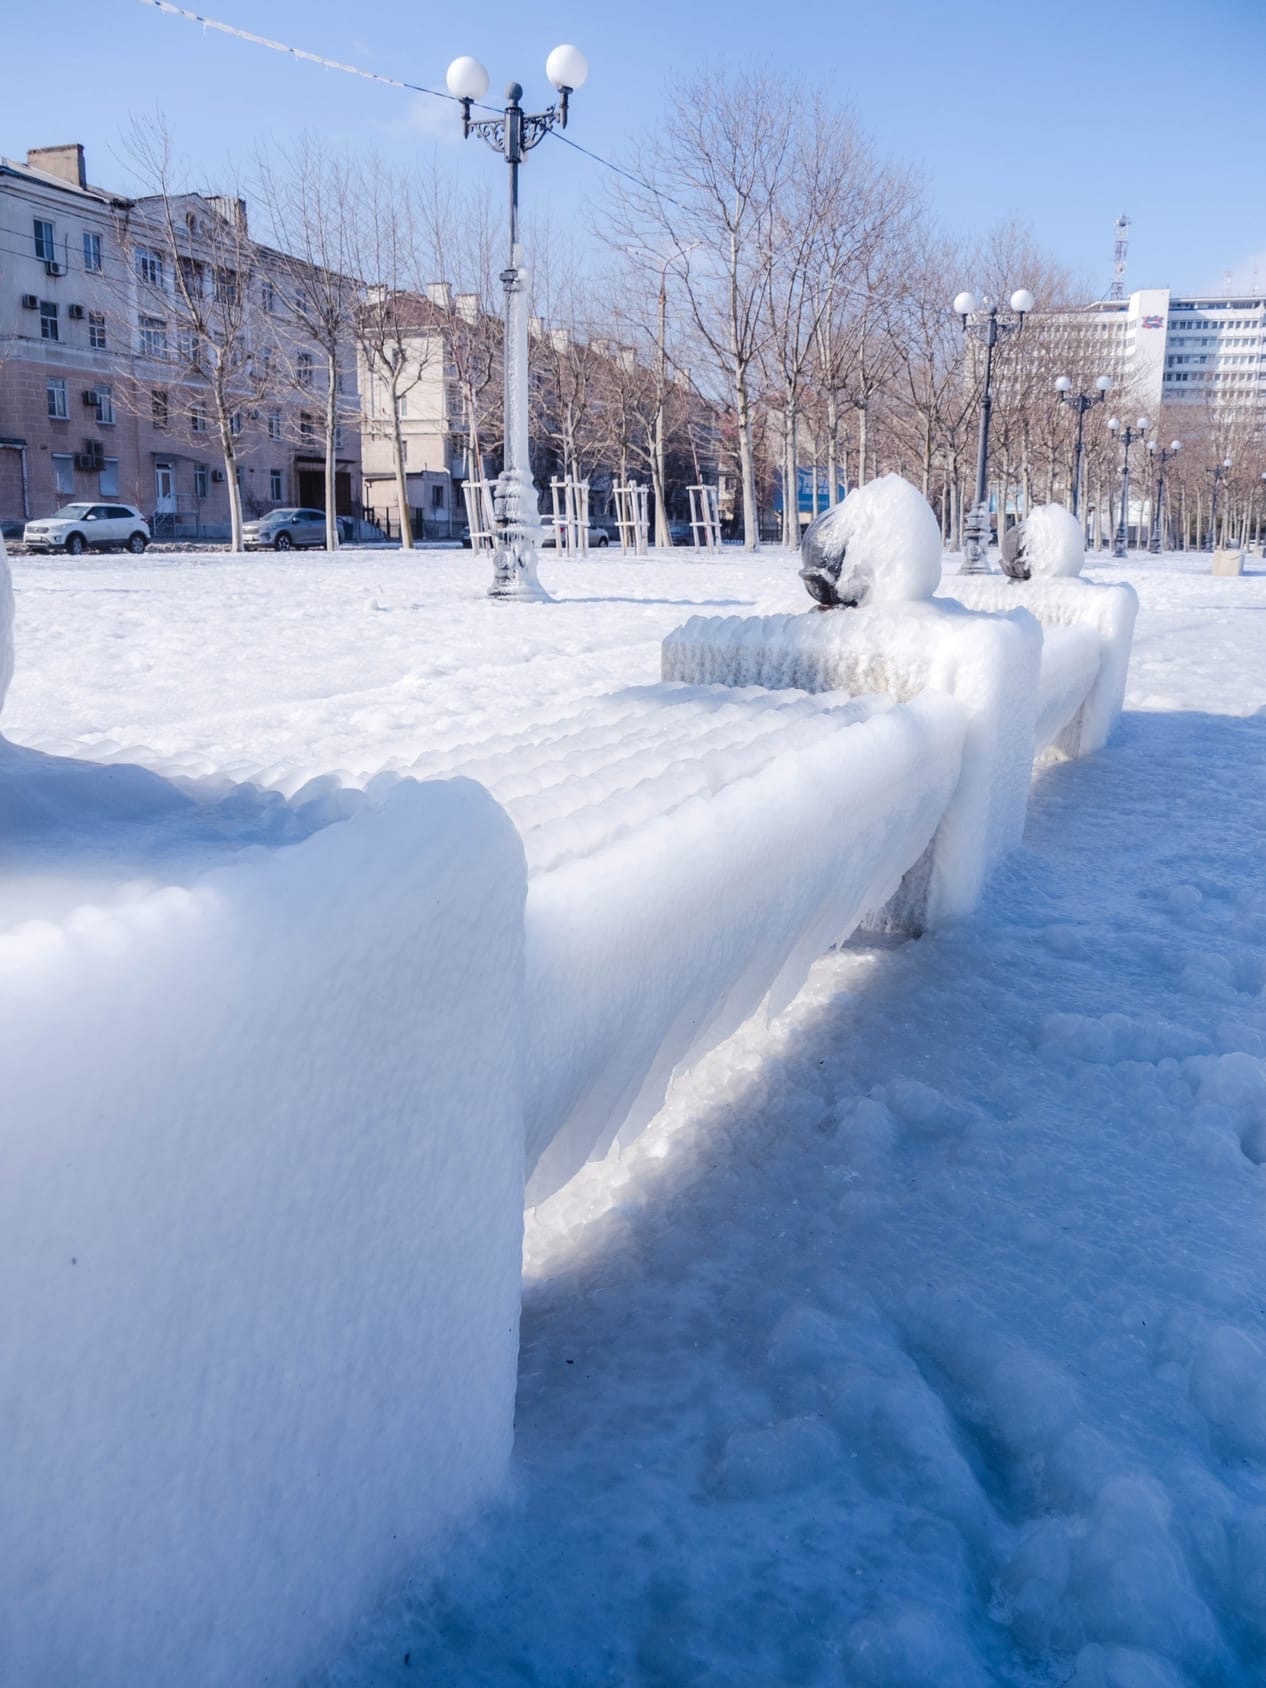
(925, 1341)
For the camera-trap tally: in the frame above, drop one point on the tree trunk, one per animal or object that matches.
(229, 453)
(832, 449)
(331, 424)
(861, 446)
(747, 465)
(402, 479)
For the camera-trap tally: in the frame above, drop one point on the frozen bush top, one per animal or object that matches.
(1048, 545)
(882, 545)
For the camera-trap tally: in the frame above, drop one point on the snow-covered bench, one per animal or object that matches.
(1087, 631)
(691, 851)
(268, 1117)
(261, 1195)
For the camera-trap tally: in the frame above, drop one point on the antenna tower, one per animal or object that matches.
(1120, 249)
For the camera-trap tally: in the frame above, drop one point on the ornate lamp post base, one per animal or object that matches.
(518, 536)
(976, 535)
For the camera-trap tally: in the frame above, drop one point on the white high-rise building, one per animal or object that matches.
(1168, 348)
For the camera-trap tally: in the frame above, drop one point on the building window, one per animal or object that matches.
(274, 424)
(338, 436)
(304, 373)
(97, 331)
(274, 485)
(226, 287)
(92, 253)
(187, 346)
(191, 278)
(306, 431)
(235, 422)
(437, 496)
(48, 320)
(105, 406)
(153, 337)
(45, 242)
(57, 399)
(149, 267)
(63, 472)
(200, 480)
(268, 297)
(198, 418)
(110, 478)
(158, 408)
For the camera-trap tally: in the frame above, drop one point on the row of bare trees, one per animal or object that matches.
(774, 298)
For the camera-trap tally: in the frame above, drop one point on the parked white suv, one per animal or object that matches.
(75, 527)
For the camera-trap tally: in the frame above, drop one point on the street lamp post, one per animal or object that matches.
(1128, 435)
(1220, 471)
(1160, 458)
(1081, 404)
(980, 319)
(513, 135)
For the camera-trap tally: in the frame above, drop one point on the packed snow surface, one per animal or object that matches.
(919, 1340)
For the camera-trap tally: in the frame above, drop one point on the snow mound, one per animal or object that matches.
(1047, 545)
(882, 545)
(6, 623)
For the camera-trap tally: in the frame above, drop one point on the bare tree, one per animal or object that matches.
(310, 197)
(720, 167)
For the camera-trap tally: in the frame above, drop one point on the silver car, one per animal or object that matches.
(285, 530)
(76, 527)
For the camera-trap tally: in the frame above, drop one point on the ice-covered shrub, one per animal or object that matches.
(1047, 545)
(880, 546)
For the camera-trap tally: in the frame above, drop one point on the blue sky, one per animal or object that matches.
(1063, 114)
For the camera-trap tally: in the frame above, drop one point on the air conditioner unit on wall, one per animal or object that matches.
(83, 461)
(30, 302)
(217, 474)
(52, 267)
(75, 311)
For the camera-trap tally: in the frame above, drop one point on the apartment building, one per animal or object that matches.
(100, 391)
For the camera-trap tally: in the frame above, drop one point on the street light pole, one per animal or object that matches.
(1081, 404)
(513, 135)
(1121, 544)
(1220, 472)
(1161, 457)
(982, 322)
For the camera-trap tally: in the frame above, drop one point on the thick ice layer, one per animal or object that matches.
(988, 664)
(260, 1213)
(1109, 610)
(6, 624)
(754, 833)
(882, 545)
(691, 852)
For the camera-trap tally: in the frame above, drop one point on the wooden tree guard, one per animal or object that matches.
(631, 517)
(705, 518)
(480, 518)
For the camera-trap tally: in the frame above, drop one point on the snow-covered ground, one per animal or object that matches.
(922, 1339)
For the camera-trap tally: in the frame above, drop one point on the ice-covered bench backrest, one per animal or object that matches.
(984, 665)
